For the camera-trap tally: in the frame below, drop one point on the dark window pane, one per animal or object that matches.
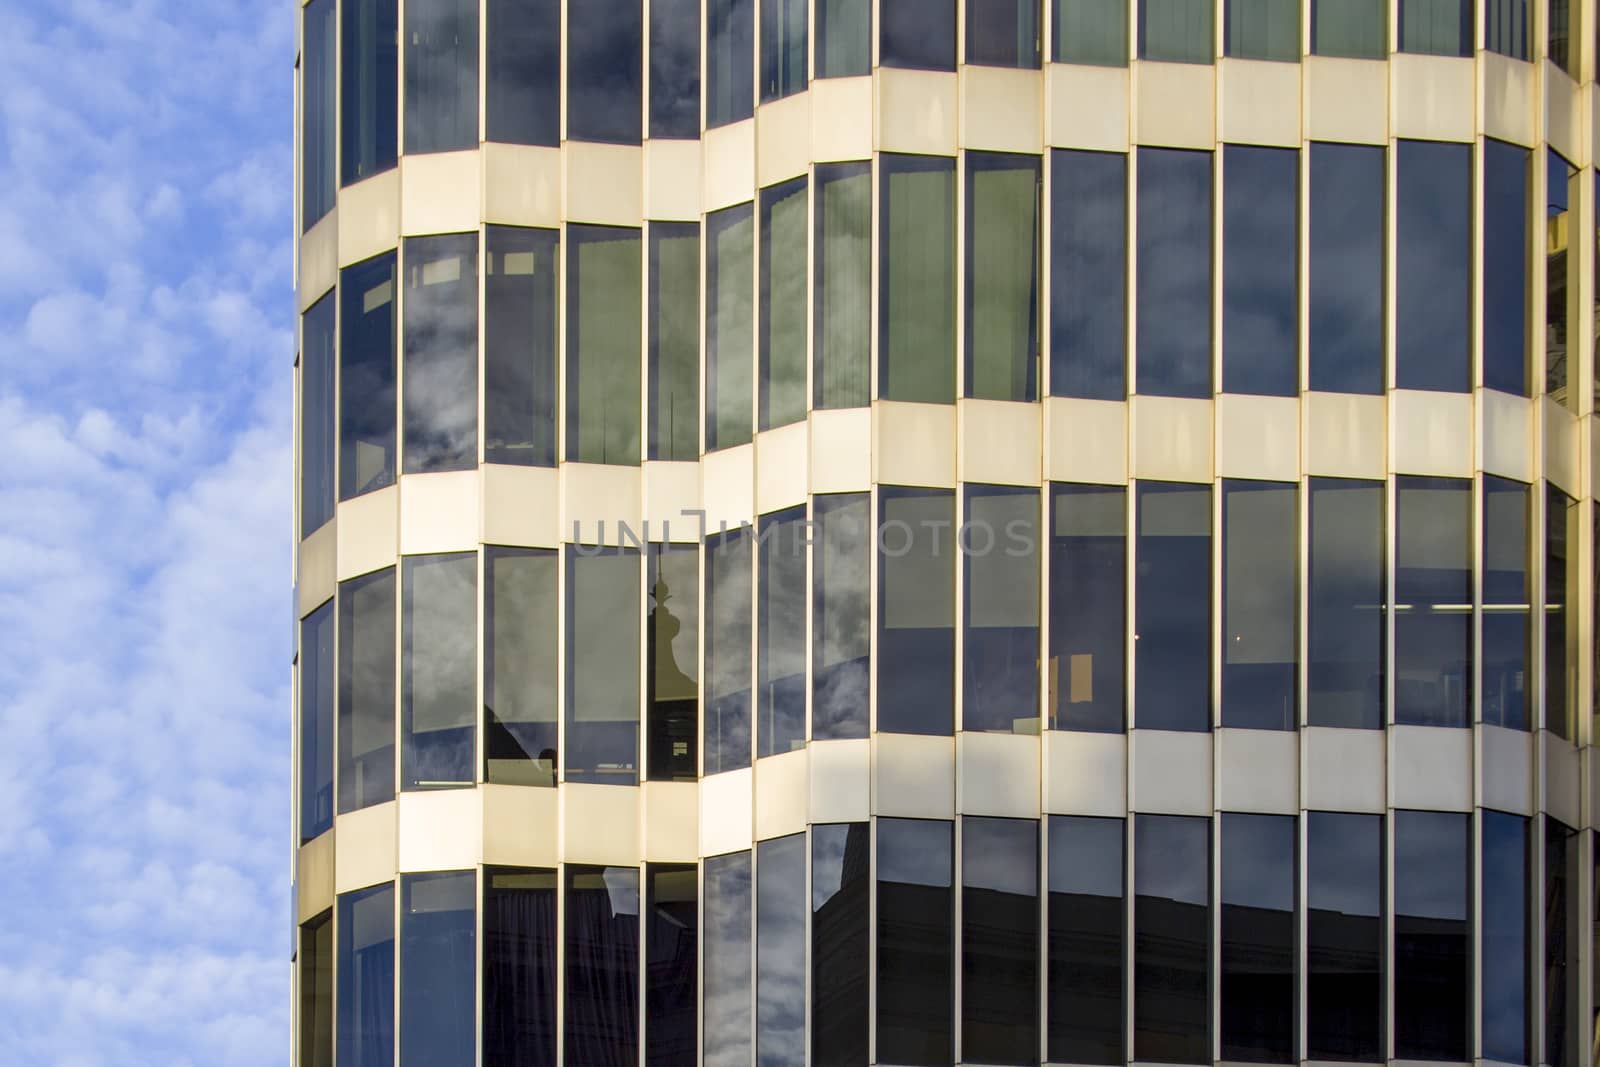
(1346, 257)
(1433, 601)
(727, 982)
(999, 940)
(917, 278)
(438, 1002)
(366, 690)
(603, 366)
(1087, 880)
(840, 890)
(1261, 269)
(520, 624)
(602, 665)
(316, 723)
(1436, 27)
(916, 610)
(604, 71)
(781, 951)
(315, 962)
(844, 38)
(1558, 30)
(1000, 641)
(842, 325)
(783, 304)
(1091, 31)
(671, 934)
(1088, 607)
(438, 670)
(1345, 642)
(1354, 29)
(916, 942)
(675, 340)
(728, 610)
(918, 34)
(1432, 943)
(672, 673)
(675, 68)
(317, 367)
(1507, 630)
(519, 968)
(1176, 31)
(1088, 274)
(369, 88)
(318, 130)
(1002, 289)
(1562, 893)
(1344, 937)
(1260, 617)
(841, 619)
(783, 48)
(441, 75)
(1172, 939)
(602, 965)
(1259, 935)
(1263, 29)
(523, 104)
(1560, 630)
(1174, 272)
(1172, 607)
(730, 61)
(441, 353)
(1433, 268)
(781, 634)
(519, 345)
(1506, 26)
(1003, 33)
(1505, 266)
(1561, 191)
(366, 376)
(365, 973)
(730, 326)
(1505, 910)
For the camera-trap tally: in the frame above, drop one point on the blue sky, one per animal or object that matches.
(146, 337)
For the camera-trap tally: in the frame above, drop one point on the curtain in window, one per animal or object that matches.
(918, 280)
(1092, 31)
(519, 969)
(1505, 27)
(1176, 31)
(603, 345)
(1354, 29)
(602, 966)
(1436, 27)
(1264, 29)
(844, 276)
(844, 38)
(1002, 276)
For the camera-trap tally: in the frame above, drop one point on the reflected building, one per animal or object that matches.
(931, 532)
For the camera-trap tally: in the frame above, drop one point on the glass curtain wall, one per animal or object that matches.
(1088, 274)
(916, 610)
(519, 345)
(1560, 622)
(1433, 601)
(917, 34)
(1561, 185)
(603, 334)
(314, 963)
(781, 951)
(522, 72)
(367, 376)
(1002, 283)
(1436, 27)
(605, 71)
(438, 670)
(674, 298)
(1433, 1003)
(842, 287)
(1258, 992)
(441, 353)
(521, 623)
(841, 615)
(602, 666)
(841, 886)
(318, 365)
(730, 325)
(1263, 29)
(1003, 33)
(1093, 32)
(782, 327)
(441, 75)
(917, 278)
(369, 88)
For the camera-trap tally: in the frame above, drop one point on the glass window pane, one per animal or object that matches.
(438, 955)
(1558, 30)
(1433, 268)
(1003, 33)
(602, 665)
(1436, 27)
(316, 723)
(1171, 939)
(519, 967)
(441, 353)
(781, 637)
(1000, 640)
(317, 367)
(441, 75)
(1176, 31)
(1002, 290)
(916, 942)
(365, 977)
(1260, 617)
(1561, 187)
(1086, 940)
(369, 87)
(1432, 943)
(781, 951)
(728, 610)
(1261, 269)
(727, 983)
(1345, 642)
(519, 345)
(315, 1019)
(917, 34)
(671, 951)
(1346, 268)
(1174, 272)
(916, 610)
(1088, 274)
(521, 613)
(730, 61)
(603, 367)
(1506, 980)
(1560, 628)
(842, 329)
(602, 965)
(999, 940)
(1562, 893)
(366, 690)
(317, 122)
(366, 376)
(675, 68)
(1344, 937)
(1505, 27)
(1172, 608)
(523, 76)
(1259, 936)
(783, 304)
(438, 670)
(1263, 29)
(1088, 607)
(675, 340)
(1507, 629)
(1091, 31)
(672, 673)
(1433, 601)
(917, 279)
(1354, 29)
(1505, 266)
(844, 38)
(730, 326)
(841, 617)
(605, 71)
(840, 891)
(783, 48)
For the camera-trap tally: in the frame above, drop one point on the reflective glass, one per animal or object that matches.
(1505, 266)
(730, 61)
(675, 68)
(730, 326)
(366, 690)
(1261, 269)
(1560, 630)
(1174, 271)
(318, 129)
(727, 983)
(918, 34)
(366, 376)
(441, 353)
(316, 723)
(1562, 1015)
(1002, 286)
(1260, 616)
(1258, 990)
(601, 1024)
(781, 633)
(1088, 274)
(1171, 939)
(317, 367)
(1558, 30)
(844, 38)
(1506, 629)
(1504, 904)
(438, 958)
(999, 543)
(783, 304)
(1433, 601)
(441, 75)
(1346, 611)
(783, 48)
(674, 340)
(1506, 27)
(842, 309)
(1436, 27)
(365, 987)
(999, 940)
(603, 366)
(917, 276)
(1354, 29)
(916, 942)
(1432, 942)
(1561, 187)
(438, 670)
(1087, 924)
(369, 89)
(1172, 607)
(519, 967)
(1344, 937)
(605, 71)
(1088, 607)
(1433, 266)
(781, 951)
(1091, 31)
(916, 610)
(671, 953)
(1003, 33)
(672, 673)
(520, 627)
(315, 962)
(602, 675)
(841, 617)
(1263, 29)
(522, 102)
(1345, 312)
(841, 855)
(1176, 31)
(519, 345)
(727, 678)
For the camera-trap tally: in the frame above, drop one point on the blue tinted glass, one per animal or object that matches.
(603, 357)
(671, 954)
(1433, 1006)
(602, 613)
(781, 634)
(523, 72)
(1087, 881)
(365, 978)
(367, 376)
(675, 68)
(1088, 274)
(1260, 270)
(1003, 33)
(1433, 268)
(1002, 285)
(1344, 936)
(1345, 589)
(841, 856)
(1258, 991)
(318, 128)
(727, 982)
(519, 345)
(999, 940)
(841, 634)
(1088, 607)
(1507, 631)
(521, 625)
(604, 71)
(1174, 273)
(730, 325)
(916, 610)
(781, 951)
(916, 942)
(438, 670)
(314, 964)
(783, 48)
(919, 34)
(441, 72)
(366, 690)
(1505, 904)
(1436, 27)
(1172, 607)
(674, 381)
(438, 964)
(1171, 939)
(317, 369)
(727, 674)
(601, 1023)
(1260, 620)
(369, 87)
(441, 353)
(316, 723)
(519, 968)
(844, 38)
(672, 662)
(999, 541)
(1433, 601)
(1505, 267)
(1346, 276)
(730, 61)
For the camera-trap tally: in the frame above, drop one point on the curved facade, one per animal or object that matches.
(920, 532)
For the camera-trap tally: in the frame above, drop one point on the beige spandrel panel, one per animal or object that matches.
(1259, 102)
(521, 505)
(369, 217)
(841, 450)
(593, 494)
(728, 165)
(1344, 770)
(603, 184)
(914, 444)
(1070, 124)
(1509, 99)
(841, 780)
(1258, 437)
(781, 460)
(1002, 110)
(1346, 99)
(521, 185)
(1505, 435)
(319, 259)
(916, 111)
(1560, 432)
(1170, 772)
(671, 822)
(1505, 769)
(1175, 104)
(1345, 435)
(1000, 442)
(366, 846)
(1433, 98)
(841, 119)
(913, 777)
(671, 497)
(727, 812)
(1431, 433)
(439, 193)
(672, 180)
(315, 572)
(1561, 781)
(783, 139)
(998, 774)
(727, 486)
(1430, 768)
(1258, 771)
(440, 830)
(1085, 440)
(368, 532)
(1171, 438)
(439, 512)
(314, 878)
(521, 826)
(1564, 114)
(1084, 773)
(782, 794)
(600, 824)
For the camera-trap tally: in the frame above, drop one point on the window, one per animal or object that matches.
(438, 958)
(671, 948)
(366, 690)
(1507, 631)
(318, 132)
(1260, 617)
(1432, 943)
(730, 61)
(365, 969)
(726, 952)
(520, 620)
(1091, 31)
(1557, 42)
(1345, 315)
(441, 353)
(605, 69)
(1433, 601)
(1507, 984)
(523, 76)
(1088, 607)
(602, 690)
(1172, 608)
(366, 376)
(369, 88)
(519, 967)
(728, 612)
(1263, 29)
(1087, 883)
(781, 636)
(841, 617)
(781, 950)
(783, 304)
(917, 277)
(602, 965)
(730, 326)
(1261, 270)
(1353, 29)
(1433, 269)
(1260, 933)
(1174, 272)
(999, 940)
(675, 69)
(1436, 27)
(1176, 31)
(916, 942)
(1171, 939)
(844, 38)
(1506, 26)
(1561, 182)
(1562, 893)
(1002, 287)
(842, 324)
(783, 48)
(603, 264)
(1505, 267)
(1088, 274)
(675, 340)
(840, 888)
(316, 723)
(672, 670)
(519, 345)
(1003, 33)
(438, 670)
(1344, 937)
(1347, 606)
(1560, 633)
(917, 34)
(441, 75)
(999, 544)
(317, 365)
(916, 610)
(315, 960)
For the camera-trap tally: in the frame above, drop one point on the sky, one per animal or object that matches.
(146, 347)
